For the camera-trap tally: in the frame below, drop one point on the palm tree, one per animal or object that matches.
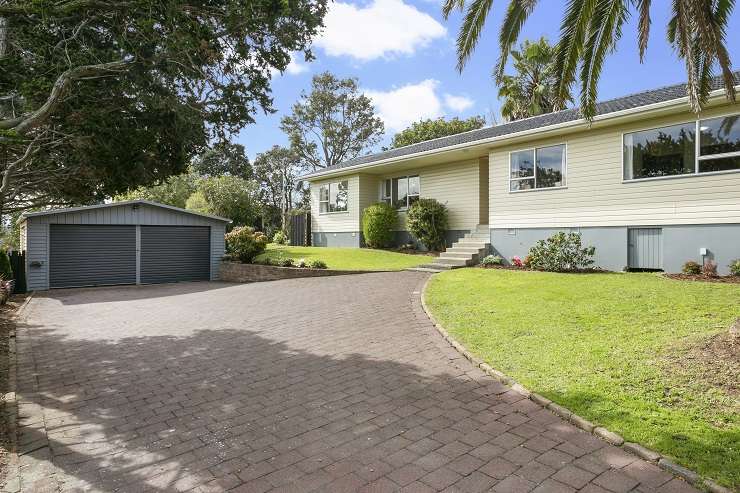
(531, 90)
(590, 29)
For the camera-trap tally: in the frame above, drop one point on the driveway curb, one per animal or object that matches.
(578, 421)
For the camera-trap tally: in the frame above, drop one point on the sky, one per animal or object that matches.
(403, 54)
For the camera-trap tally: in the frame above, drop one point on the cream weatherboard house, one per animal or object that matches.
(647, 182)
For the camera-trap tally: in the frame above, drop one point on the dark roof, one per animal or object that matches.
(645, 98)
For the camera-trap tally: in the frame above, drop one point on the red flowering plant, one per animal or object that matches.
(517, 262)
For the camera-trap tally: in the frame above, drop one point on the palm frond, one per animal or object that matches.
(449, 5)
(643, 7)
(710, 35)
(605, 30)
(475, 19)
(516, 16)
(570, 46)
(680, 34)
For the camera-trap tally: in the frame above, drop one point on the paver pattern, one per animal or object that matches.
(321, 384)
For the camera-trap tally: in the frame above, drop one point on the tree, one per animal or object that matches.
(590, 30)
(531, 91)
(174, 191)
(100, 97)
(224, 158)
(227, 196)
(434, 128)
(276, 171)
(333, 123)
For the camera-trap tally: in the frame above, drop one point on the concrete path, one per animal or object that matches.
(325, 384)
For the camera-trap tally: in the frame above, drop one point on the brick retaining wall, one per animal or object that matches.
(237, 272)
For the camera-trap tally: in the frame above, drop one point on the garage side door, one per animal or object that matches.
(175, 253)
(91, 255)
(645, 249)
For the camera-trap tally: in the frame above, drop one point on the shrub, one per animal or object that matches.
(426, 219)
(517, 262)
(301, 263)
(280, 238)
(317, 264)
(490, 260)
(561, 253)
(709, 269)
(286, 262)
(245, 243)
(378, 222)
(691, 267)
(735, 267)
(6, 272)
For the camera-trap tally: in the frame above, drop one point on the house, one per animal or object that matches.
(131, 242)
(647, 182)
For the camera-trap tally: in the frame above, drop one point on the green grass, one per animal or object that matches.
(348, 258)
(606, 347)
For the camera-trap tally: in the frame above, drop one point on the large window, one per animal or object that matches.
(401, 192)
(676, 150)
(543, 167)
(333, 197)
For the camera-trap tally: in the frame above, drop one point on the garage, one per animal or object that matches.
(133, 242)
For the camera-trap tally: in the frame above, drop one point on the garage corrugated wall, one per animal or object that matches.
(91, 255)
(175, 253)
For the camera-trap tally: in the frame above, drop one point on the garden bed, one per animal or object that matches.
(702, 278)
(239, 272)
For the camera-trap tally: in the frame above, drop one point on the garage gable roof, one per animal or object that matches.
(26, 215)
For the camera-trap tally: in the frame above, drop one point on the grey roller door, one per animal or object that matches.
(91, 255)
(175, 253)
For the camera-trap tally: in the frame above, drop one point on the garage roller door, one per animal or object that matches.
(91, 255)
(175, 253)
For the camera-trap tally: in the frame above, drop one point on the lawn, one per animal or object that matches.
(645, 356)
(348, 258)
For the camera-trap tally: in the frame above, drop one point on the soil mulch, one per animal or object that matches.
(7, 325)
(700, 278)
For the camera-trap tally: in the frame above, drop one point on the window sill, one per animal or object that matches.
(333, 213)
(674, 177)
(539, 189)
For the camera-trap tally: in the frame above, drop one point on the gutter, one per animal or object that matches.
(544, 131)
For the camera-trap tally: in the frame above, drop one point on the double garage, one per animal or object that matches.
(136, 242)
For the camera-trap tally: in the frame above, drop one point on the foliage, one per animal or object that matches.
(517, 262)
(561, 253)
(100, 97)
(590, 31)
(378, 222)
(531, 90)
(10, 235)
(174, 191)
(691, 267)
(287, 262)
(227, 196)
(276, 171)
(735, 267)
(605, 346)
(426, 220)
(333, 123)
(245, 243)
(6, 272)
(709, 269)
(317, 264)
(280, 238)
(348, 258)
(490, 260)
(430, 128)
(224, 158)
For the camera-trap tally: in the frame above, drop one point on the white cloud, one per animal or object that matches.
(400, 107)
(458, 103)
(295, 67)
(381, 29)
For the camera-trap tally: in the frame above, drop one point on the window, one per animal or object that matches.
(333, 197)
(666, 151)
(401, 192)
(676, 150)
(543, 167)
(719, 144)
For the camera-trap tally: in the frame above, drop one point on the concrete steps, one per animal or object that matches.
(465, 252)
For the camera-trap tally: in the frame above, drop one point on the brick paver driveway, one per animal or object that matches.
(326, 384)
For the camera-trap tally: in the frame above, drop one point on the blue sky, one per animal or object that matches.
(403, 53)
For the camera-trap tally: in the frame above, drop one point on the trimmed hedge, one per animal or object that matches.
(426, 220)
(378, 222)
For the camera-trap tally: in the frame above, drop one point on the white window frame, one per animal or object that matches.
(534, 175)
(697, 150)
(388, 199)
(328, 200)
